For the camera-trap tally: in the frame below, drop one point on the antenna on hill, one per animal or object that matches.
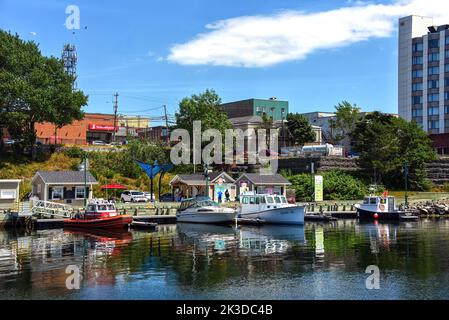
(70, 59)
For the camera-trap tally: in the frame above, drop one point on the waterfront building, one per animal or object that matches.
(424, 77)
(191, 185)
(260, 183)
(9, 194)
(63, 186)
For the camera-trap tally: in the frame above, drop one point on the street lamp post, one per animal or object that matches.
(406, 168)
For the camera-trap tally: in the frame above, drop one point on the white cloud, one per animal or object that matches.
(259, 41)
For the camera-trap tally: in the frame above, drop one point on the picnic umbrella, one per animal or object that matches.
(114, 186)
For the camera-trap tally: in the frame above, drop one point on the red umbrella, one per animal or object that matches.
(114, 186)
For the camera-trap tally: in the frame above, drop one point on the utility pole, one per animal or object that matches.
(167, 138)
(115, 115)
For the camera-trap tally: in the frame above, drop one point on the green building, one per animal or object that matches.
(257, 107)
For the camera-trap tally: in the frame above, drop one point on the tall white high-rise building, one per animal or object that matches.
(424, 76)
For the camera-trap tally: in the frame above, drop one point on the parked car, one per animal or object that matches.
(98, 143)
(133, 196)
(148, 196)
(167, 197)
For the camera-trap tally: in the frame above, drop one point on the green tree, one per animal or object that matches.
(205, 108)
(34, 89)
(385, 143)
(300, 129)
(346, 117)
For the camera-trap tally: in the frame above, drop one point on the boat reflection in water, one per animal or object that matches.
(253, 240)
(270, 239)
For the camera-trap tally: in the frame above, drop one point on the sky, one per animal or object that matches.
(312, 53)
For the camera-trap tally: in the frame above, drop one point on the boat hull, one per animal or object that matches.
(118, 222)
(363, 214)
(287, 215)
(206, 217)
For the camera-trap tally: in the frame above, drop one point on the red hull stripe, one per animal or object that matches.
(114, 222)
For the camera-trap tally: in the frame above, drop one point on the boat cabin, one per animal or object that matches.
(196, 203)
(263, 199)
(99, 209)
(376, 203)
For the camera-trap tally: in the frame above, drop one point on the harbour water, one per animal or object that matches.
(185, 261)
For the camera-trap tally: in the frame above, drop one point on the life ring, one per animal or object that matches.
(382, 207)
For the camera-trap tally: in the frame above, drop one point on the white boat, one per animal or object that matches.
(204, 210)
(379, 208)
(271, 209)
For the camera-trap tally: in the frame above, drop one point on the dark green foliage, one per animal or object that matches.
(385, 143)
(34, 89)
(338, 185)
(300, 129)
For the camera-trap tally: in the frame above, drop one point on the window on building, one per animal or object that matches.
(446, 68)
(57, 193)
(434, 57)
(447, 39)
(446, 123)
(446, 82)
(417, 86)
(433, 97)
(416, 112)
(417, 47)
(417, 100)
(417, 73)
(447, 54)
(434, 70)
(80, 193)
(433, 84)
(434, 43)
(433, 111)
(433, 124)
(417, 60)
(446, 95)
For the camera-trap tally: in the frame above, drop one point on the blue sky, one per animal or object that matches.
(312, 53)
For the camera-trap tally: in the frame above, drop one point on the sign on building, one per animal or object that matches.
(318, 188)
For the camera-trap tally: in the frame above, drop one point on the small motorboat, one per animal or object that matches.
(99, 214)
(269, 209)
(143, 225)
(204, 210)
(380, 208)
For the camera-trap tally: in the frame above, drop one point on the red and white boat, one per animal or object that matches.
(99, 214)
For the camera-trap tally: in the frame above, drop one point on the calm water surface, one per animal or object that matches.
(318, 261)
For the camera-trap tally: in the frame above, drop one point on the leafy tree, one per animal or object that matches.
(344, 123)
(385, 143)
(300, 129)
(34, 89)
(203, 107)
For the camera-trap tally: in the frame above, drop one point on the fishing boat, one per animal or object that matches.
(99, 214)
(204, 210)
(380, 208)
(269, 209)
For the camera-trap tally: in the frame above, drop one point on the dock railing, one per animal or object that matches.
(52, 209)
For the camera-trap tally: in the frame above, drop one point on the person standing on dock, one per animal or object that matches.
(220, 196)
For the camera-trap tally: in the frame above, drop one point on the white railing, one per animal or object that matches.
(50, 209)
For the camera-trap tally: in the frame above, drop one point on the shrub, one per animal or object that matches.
(338, 185)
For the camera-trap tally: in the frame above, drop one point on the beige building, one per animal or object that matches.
(192, 185)
(136, 122)
(9, 194)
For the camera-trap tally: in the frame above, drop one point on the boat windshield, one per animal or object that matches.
(269, 199)
(277, 199)
(283, 199)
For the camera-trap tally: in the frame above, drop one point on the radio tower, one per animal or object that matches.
(70, 59)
